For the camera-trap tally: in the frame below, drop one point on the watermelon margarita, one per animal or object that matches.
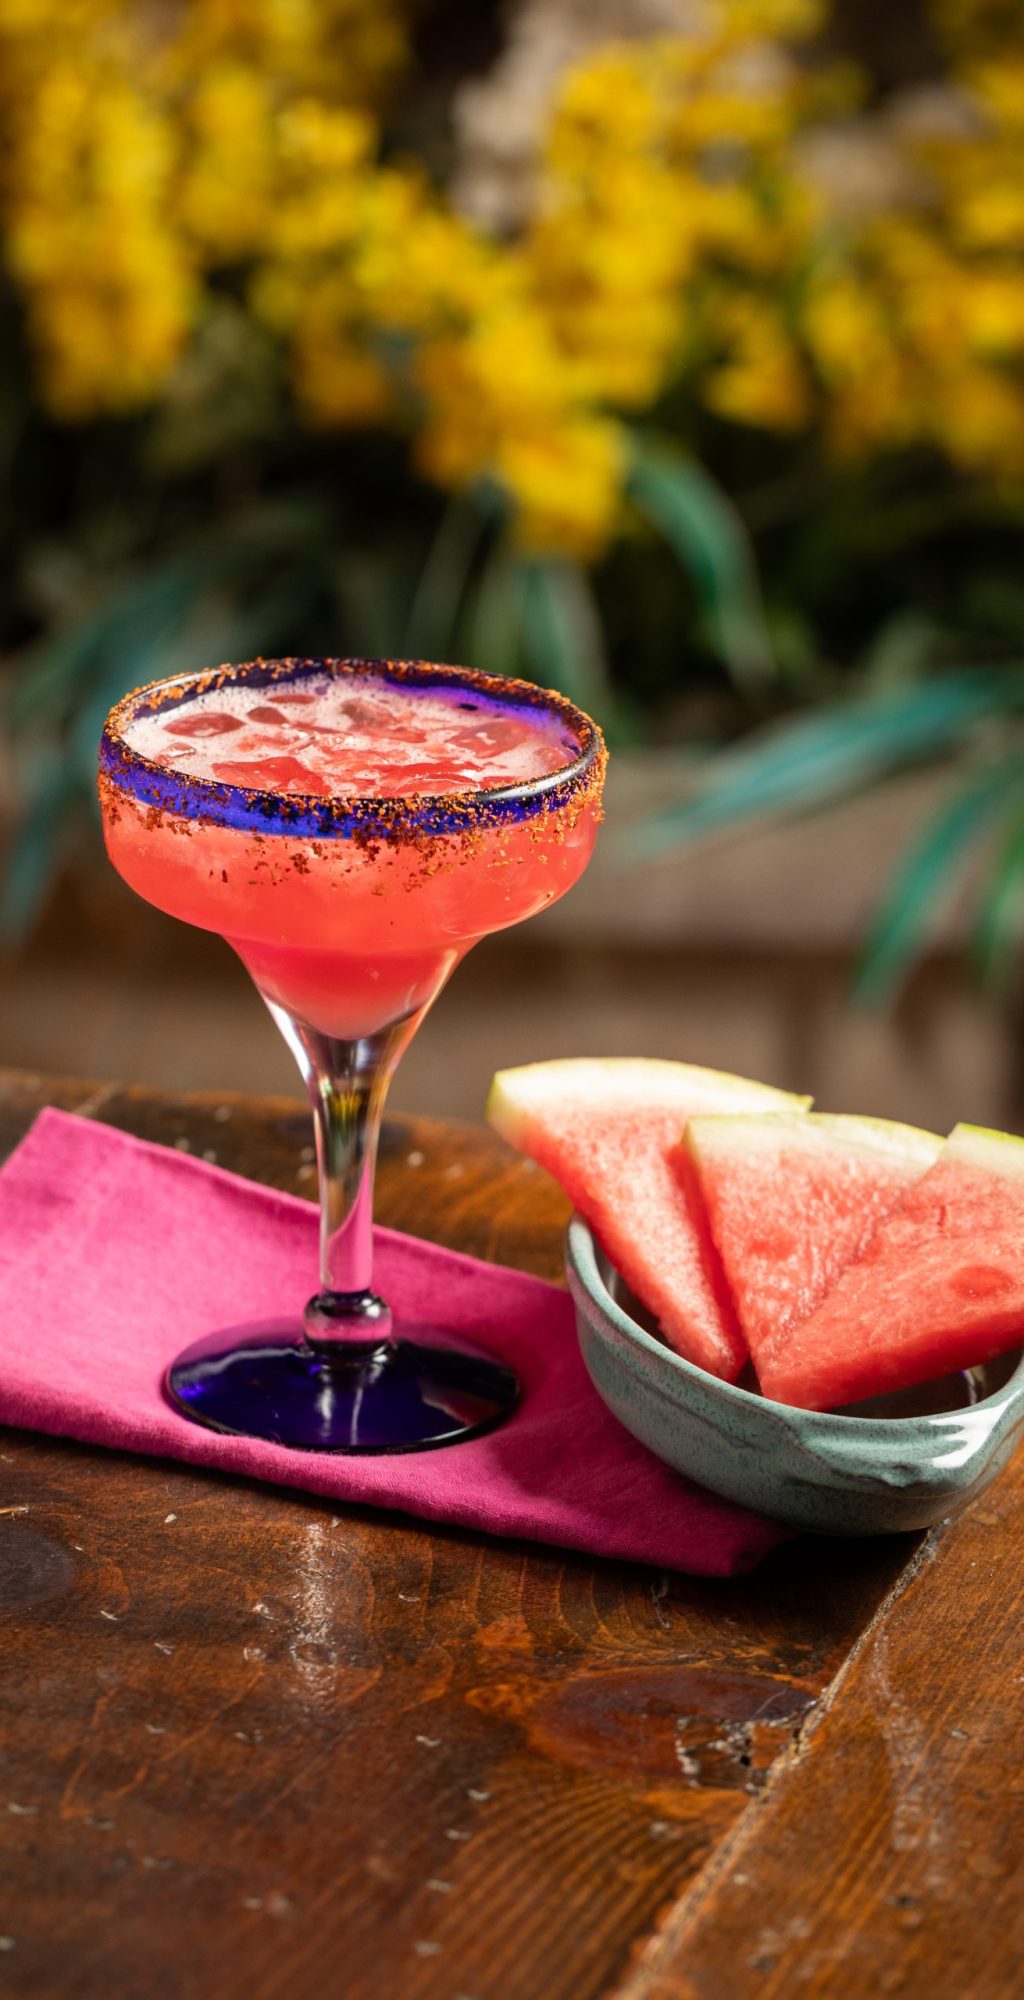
(376, 849)
(351, 827)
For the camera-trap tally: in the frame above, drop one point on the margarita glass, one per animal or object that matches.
(351, 827)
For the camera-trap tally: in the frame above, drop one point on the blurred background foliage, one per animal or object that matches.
(667, 352)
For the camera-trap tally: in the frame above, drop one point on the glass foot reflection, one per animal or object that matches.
(268, 1382)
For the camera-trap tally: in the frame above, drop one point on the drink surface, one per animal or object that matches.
(353, 738)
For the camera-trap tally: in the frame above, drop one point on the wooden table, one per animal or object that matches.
(250, 1747)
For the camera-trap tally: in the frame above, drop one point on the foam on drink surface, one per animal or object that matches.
(353, 736)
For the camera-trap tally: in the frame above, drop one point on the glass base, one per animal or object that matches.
(268, 1382)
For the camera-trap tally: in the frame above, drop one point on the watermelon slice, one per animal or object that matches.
(608, 1131)
(792, 1199)
(939, 1287)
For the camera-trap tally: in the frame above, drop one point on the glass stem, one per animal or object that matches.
(347, 1083)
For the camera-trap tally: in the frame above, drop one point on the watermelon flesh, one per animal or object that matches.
(791, 1200)
(609, 1131)
(939, 1287)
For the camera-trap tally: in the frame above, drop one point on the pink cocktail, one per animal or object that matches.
(351, 828)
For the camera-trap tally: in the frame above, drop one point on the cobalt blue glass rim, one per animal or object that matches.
(311, 816)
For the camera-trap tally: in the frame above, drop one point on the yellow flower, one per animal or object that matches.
(500, 401)
(774, 20)
(999, 88)
(762, 380)
(624, 349)
(109, 286)
(226, 196)
(417, 267)
(677, 241)
(766, 232)
(981, 424)
(325, 151)
(567, 485)
(990, 216)
(502, 374)
(992, 312)
(344, 50)
(845, 333)
(624, 77)
(339, 382)
(663, 161)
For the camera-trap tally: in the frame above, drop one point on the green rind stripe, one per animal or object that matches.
(978, 1145)
(879, 1138)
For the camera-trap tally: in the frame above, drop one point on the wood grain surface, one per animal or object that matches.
(889, 1857)
(247, 1743)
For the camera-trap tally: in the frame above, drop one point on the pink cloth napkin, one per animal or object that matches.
(115, 1254)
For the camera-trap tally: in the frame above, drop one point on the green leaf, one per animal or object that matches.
(175, 623)
(900, 651)
(495, 638)
(908, 906)
(55, 788)
(113, 641)
(114, 644)
(706, 532)
(443, 581)
(562, 640)
(45, 675)
(219, 629)
(371, 588)
(999, 923)
(795, 766)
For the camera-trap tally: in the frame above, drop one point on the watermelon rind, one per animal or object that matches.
(755, 1131)
(977, 1145)
(884, 1137)
(518, 1094)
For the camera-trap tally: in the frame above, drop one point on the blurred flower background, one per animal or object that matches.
(670, 352)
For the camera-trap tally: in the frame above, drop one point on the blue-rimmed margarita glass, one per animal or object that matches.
(349, 912)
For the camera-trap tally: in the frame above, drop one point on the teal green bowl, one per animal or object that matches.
(875, 1468)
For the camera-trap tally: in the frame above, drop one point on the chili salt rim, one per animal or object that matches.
(310, 815)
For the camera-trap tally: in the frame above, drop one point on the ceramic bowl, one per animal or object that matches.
(882, 1467)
